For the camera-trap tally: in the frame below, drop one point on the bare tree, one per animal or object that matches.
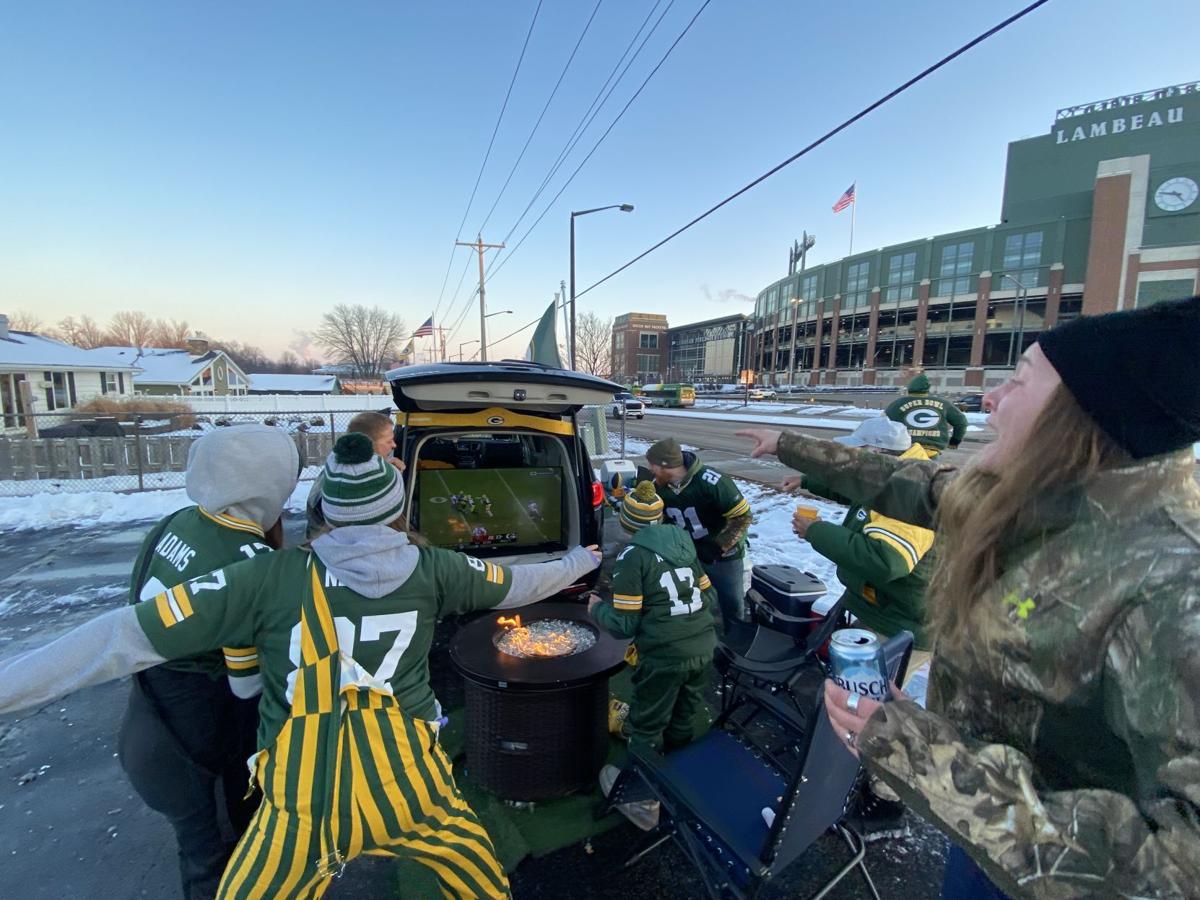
(170, 333)
(365, 338)
(288, 364)
(24, 320)
(130, 328)
(593, 344)
(246, 357)
(82, 332)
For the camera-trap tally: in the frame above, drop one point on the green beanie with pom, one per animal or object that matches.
(360, 487)
(919, 385)
(641, 507)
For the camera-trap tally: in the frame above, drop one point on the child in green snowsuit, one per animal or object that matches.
(663, 600)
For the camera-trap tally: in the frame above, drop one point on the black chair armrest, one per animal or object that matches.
(762, 668)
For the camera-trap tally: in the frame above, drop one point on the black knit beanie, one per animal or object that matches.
(1136, 373)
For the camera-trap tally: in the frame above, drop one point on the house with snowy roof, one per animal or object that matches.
(198, 371)
(40, 374)
(266, 383)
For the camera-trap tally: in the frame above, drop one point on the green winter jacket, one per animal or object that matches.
(1062, 749)
(883, 562)
(661, 598)
(932, 421)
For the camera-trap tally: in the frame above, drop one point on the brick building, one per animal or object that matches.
(639, 348)
(1099, 214)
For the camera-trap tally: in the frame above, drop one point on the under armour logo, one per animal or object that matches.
(1023, 607)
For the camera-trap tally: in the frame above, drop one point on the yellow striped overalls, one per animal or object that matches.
(349, 773)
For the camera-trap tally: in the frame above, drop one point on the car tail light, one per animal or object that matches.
(597, 494)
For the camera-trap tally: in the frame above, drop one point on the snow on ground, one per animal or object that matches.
(633, 446)
(848, 424)
(838, 424)
(86, 508)
(773, 543)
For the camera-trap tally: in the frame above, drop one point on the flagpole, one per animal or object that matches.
(853, 207)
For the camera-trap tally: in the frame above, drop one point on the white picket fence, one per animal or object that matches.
(288, 403)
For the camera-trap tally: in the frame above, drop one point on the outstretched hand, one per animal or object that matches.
(791, 483)
(766, 440)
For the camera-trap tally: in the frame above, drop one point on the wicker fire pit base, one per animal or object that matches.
(536, 728)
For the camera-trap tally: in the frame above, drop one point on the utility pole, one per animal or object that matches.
(442, 335)
(479, 246)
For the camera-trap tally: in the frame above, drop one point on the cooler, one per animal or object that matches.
(787, 597)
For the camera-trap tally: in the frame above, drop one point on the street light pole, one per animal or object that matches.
(623, 207)
(464, 344)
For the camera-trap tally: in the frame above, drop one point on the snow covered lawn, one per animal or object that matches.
(86, 508)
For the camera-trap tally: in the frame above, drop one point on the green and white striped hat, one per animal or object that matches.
(360, 487)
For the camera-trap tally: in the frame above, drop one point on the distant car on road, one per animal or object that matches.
(763, 393)
(633, 406)
(970, 402)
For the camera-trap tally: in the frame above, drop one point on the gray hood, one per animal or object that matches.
(372, 560)
(247, 471)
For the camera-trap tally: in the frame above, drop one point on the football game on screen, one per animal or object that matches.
(491, 508)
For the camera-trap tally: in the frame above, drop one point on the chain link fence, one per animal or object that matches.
(71, 452)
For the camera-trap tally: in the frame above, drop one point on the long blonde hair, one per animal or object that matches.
(984, 514)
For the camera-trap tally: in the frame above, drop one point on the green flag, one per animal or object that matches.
(543, 347)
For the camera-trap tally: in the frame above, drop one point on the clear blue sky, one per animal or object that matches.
(245, 166)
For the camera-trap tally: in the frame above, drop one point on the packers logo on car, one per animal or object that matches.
(495, 420)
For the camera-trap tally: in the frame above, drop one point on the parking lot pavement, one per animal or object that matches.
(71, 826)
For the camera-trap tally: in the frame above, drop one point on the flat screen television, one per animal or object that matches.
(491, 509)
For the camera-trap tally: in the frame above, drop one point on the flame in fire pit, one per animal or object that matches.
(543, 638)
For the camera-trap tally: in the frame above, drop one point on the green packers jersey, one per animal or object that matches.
(257, 603)
(195, 542)
(661, 597)
(704, 503)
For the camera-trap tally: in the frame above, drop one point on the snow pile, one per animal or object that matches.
(88, 508)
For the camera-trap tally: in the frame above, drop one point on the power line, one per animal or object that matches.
(487, 154)
(542, 115)
(945, 60)
(596, 146)
(589, 116)
(576, 135)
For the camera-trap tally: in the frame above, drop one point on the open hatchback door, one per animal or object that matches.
(495, 464)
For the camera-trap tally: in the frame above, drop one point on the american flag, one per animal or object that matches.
(845, 200)
(425, 330)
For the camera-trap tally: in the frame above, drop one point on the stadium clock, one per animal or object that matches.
(1175, 194)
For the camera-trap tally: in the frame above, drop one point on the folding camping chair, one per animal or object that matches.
(778, 663)
(713, 791)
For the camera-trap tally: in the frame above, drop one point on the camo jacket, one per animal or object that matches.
(1061, 749)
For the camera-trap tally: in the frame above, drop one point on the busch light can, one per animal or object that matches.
(857, 665)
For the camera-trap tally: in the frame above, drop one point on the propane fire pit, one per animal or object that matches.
(536, 699)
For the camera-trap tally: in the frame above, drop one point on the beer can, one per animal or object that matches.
(856, 663)
(806, 512)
